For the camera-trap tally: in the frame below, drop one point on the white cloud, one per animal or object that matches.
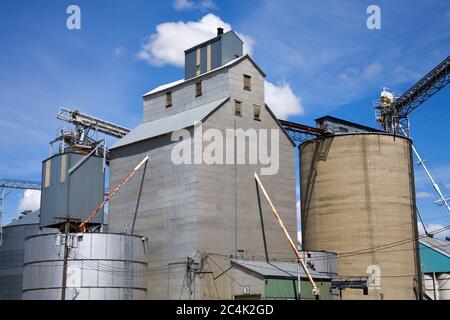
(282, 100)
(119, 51)
(189, 4)
(356, 75)
(167, 45)
(372, 70)
(31, 200)
(424, 195)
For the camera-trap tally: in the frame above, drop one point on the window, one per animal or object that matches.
(198, 62)
(198, 88)
(168, 99)
(63, 168)
(47, 173)
(208, 57)
(256, 112)
(237, 108)
(247, 82)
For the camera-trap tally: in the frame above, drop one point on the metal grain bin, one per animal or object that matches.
(358, 200)
(71, 194)
(12, 254)
(444, 286)
(101, 266)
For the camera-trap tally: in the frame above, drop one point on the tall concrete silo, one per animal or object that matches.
(358, 200)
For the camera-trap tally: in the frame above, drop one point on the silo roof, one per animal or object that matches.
(166, 125)
(31, 218)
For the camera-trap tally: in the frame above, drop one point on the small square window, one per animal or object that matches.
(257, 113)
(168, 99)
(198, 89)
(237, 108)
(247, 82)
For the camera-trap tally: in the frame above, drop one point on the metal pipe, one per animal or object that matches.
(315, 290)
(435, 185)
(82, 226)
(79, 163)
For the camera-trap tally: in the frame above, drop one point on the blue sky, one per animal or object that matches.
(322, 51)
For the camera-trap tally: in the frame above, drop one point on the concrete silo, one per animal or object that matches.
(358, 200)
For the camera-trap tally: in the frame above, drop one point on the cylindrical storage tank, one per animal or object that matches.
(101, 266)
(321, 261)
(431, 287)
(444, 286)
(12, 254)
(358, 200)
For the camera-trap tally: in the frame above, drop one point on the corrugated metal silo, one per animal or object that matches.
(71, 194)
(444, 286)
(101, 266)
(12, 253)
(358, 200)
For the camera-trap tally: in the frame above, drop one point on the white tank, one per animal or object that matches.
(386, 96)
(101, 266)
(443, 281)
(429, 286)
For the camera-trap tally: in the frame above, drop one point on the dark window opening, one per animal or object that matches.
(247, 82)
(238, 108)
(257, 113)
(198, 89)
(168, 99)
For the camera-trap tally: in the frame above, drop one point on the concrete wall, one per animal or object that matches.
(196, 209)
(357, 193)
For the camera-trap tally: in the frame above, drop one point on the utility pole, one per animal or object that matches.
(67, 222)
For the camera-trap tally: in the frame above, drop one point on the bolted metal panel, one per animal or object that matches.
(99, 267)
(11, 260)
(231, 47)
(12, 254)
(77, 194)
(357, 195)
(444, 286)
(224, 48)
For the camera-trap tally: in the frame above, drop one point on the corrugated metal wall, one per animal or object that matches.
(74, 195)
